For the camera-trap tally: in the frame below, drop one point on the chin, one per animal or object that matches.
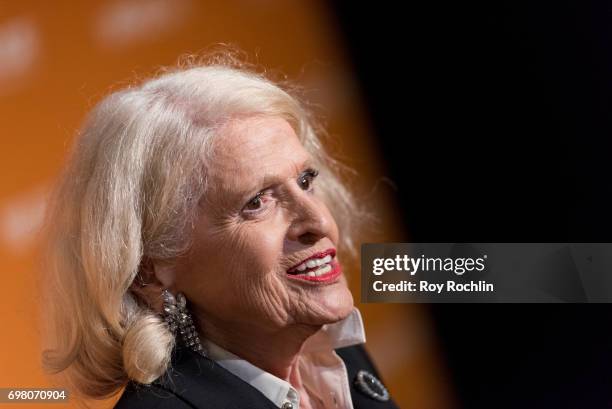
(333, 307)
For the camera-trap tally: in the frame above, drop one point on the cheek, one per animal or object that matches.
(260, 250)
(255, 270)
(257, 247)
(236, 271)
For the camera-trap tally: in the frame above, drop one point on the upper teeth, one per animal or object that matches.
(314, 262)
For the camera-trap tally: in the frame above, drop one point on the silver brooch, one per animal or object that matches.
(369, 385)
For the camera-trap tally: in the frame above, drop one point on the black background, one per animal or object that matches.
(495, 119)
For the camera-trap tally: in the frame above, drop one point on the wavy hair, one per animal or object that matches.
(129, 192)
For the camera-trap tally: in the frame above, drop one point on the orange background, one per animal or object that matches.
(58, 58)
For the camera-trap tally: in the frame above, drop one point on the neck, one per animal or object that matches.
(275, 351)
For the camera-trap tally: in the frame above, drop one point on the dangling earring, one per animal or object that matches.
(179, 320)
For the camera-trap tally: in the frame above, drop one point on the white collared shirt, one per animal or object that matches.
(321, 369)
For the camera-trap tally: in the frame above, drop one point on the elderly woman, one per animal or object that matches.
(193, 249)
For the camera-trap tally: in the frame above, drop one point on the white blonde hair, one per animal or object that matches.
(129, 192)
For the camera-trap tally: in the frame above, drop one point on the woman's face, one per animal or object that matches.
(264, 242)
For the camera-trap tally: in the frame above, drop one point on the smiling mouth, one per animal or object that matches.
(319, 268)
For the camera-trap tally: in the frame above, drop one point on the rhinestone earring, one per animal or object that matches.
(179, 320)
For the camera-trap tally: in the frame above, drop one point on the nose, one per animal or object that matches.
(311, 220)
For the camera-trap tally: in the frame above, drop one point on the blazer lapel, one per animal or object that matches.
(204, 384)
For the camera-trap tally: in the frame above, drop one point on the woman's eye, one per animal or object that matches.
(255, 203)
(305, 180)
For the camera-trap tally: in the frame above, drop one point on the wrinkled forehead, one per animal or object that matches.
(247, 152)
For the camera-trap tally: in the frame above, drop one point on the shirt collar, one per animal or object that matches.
(347, 332)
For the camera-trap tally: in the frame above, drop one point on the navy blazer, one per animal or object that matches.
(196, 382)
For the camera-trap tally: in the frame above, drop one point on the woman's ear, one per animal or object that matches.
(152, 278)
